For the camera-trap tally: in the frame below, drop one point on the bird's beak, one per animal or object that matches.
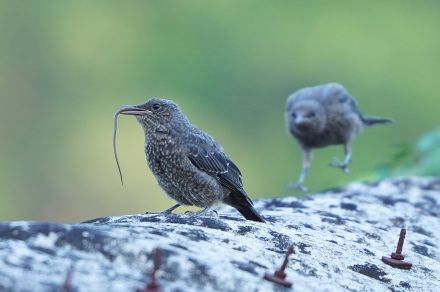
(299, 120)
(132, 110)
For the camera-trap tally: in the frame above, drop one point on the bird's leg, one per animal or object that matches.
(305, 168)
(347, 158)
(170, 210)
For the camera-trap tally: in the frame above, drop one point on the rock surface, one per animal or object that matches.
(339, 235)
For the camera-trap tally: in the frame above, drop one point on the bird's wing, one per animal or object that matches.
(334, 93)
(205, 154)
(347, 102)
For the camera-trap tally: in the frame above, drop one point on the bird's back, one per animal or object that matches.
(328, 95)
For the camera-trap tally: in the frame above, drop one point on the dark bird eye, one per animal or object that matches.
(311, 115)
(156, 106)
(293, 115)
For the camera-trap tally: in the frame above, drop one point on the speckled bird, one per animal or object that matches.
(189, 165)
(325, 115)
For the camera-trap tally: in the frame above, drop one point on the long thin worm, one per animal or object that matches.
(115, 127)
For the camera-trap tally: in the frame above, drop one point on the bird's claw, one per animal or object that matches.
(170, 210)
(297, 186)
(339, 164)
(202, 213)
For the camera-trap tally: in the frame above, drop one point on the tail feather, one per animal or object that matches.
(250, 214)
(371, 121)
(243, 204)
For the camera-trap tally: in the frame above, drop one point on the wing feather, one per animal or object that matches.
(206, 155)
(209, 157)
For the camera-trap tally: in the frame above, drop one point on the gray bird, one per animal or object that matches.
(187, 163)
(325, 115)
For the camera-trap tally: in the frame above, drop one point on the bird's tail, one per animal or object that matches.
(371, 121)
(243, 204)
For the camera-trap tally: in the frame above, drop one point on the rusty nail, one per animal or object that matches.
(279, 276)
(153, 286)
(396, 258)
(67, 285)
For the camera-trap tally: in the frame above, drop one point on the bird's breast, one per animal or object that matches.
(160, 154)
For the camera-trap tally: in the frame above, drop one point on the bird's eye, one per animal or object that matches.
(311, 115)
(293, 115)
(156, 106)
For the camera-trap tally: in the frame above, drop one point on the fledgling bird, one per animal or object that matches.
(188, 164)
(325, 115)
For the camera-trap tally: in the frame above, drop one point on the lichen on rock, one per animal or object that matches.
(339, 237)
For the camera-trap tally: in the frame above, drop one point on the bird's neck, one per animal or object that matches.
(170, 132)
(163, 135)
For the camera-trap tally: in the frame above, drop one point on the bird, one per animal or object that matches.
(188, 164)
(321, 116)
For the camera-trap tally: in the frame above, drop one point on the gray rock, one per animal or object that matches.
(339, 235)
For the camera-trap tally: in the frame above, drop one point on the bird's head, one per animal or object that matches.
(305, 116)
(158, 117)
(156, 114)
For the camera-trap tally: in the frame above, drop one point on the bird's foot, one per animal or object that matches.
(339, 164)
(170, 210)
(204, 212)
(297, 186)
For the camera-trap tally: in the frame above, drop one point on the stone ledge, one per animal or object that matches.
(340, 236)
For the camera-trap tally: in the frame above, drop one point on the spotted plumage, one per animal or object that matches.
(187, 163)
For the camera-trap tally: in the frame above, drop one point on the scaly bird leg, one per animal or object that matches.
(305, 168)
(170, 210)
(347, 159)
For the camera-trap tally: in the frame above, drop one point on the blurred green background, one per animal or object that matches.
(66, 66)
